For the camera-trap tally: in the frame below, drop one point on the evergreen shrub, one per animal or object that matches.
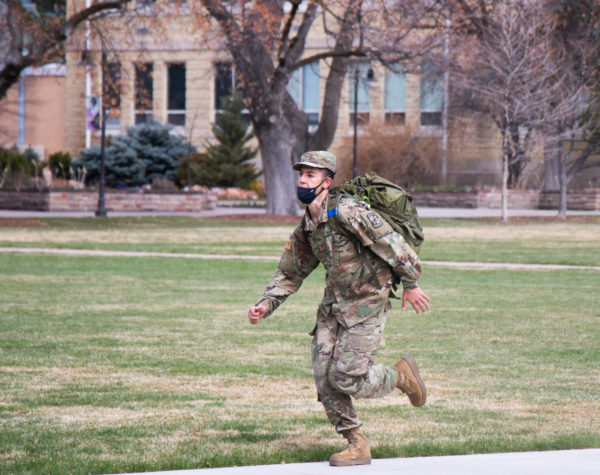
(226, 162)
(60, 165)
(17, 170)
(148, 151)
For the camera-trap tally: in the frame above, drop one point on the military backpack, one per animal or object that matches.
(392, 202)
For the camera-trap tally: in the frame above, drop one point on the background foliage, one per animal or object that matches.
(226, 161)
(149, 150)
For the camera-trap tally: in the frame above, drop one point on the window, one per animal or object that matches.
(395, 98)
(224, 82)
(144, 95)
(431, 96)
(144, 4)
(176, 94)
(304, 89)
(226, 85)
(359, 74)
(111, 93)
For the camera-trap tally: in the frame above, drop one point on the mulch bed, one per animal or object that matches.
(261, 218)
(21, 222)
(553, 219)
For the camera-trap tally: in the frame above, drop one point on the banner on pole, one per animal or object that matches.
(92, 112)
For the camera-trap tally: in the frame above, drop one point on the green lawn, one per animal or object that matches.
(130, 364)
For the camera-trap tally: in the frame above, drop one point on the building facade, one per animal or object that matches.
(167, 71)
(32, 114)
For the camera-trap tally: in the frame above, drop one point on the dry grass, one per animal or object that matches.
(205, 235)
(113, 365)
(542, 234)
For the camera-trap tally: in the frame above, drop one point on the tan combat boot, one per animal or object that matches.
(410, 382)
(357, 452)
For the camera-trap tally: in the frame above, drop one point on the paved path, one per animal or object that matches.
(183, 255)
(563, 462)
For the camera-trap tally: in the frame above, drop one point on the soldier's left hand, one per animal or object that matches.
(417, 298)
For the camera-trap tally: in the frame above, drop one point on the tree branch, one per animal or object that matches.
(35, 39)
(356, 52)
(85, 14)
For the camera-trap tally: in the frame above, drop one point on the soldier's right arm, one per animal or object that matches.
(296, 263)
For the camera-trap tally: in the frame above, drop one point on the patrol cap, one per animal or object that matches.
(317, 159)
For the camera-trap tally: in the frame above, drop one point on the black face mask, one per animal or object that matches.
(308, 195)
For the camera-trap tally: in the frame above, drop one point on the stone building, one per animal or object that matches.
(32, 114)
(160, 67)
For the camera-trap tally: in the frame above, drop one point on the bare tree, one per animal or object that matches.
(35, 34)
(267, 41)
(505, 71)
(574, 109)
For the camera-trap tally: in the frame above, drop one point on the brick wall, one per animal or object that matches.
(587, 199)
(24, 200)
(115, 201)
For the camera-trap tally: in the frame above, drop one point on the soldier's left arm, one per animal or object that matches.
(376, 234)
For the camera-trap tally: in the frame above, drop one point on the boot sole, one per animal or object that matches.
(347, 463)
(415, 369)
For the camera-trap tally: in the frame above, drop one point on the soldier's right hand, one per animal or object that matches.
(256, 313)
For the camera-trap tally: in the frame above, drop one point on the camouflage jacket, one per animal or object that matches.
(351, 292)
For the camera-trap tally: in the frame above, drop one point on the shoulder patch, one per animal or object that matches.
(375, 220)
(288, 245)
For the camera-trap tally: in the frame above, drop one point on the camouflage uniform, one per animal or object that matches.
(351, 316)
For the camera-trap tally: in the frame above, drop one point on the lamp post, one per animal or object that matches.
(101, 210)
(92, 125)
(370, 78)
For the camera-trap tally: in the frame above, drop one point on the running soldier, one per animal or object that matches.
(351, 316)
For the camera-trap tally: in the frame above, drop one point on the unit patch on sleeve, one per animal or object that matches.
(288, 245)
(375, 220)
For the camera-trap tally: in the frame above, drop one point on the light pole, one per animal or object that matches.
(101, 210)
(370, 78)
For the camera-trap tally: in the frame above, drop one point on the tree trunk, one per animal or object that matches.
(514, 163)
(277, 151)
(562, 180)
(505, 160)
(551, 167)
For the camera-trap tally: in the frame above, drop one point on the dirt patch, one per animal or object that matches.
(261, 218)
(21, 222)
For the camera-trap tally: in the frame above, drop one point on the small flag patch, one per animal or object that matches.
(288, 245)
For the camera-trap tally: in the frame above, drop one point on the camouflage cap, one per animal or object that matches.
(317, 159)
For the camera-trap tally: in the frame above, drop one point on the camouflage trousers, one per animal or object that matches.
(344, 366)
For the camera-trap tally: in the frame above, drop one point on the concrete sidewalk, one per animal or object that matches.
(563, 462)
(228, 211)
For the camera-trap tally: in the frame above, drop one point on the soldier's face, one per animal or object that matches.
(310, 177)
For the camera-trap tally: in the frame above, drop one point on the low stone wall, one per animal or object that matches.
(585, 199)
(488, 198)
(24, 200)
(75, 200)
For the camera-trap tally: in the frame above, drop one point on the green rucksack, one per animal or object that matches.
(391, 201)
